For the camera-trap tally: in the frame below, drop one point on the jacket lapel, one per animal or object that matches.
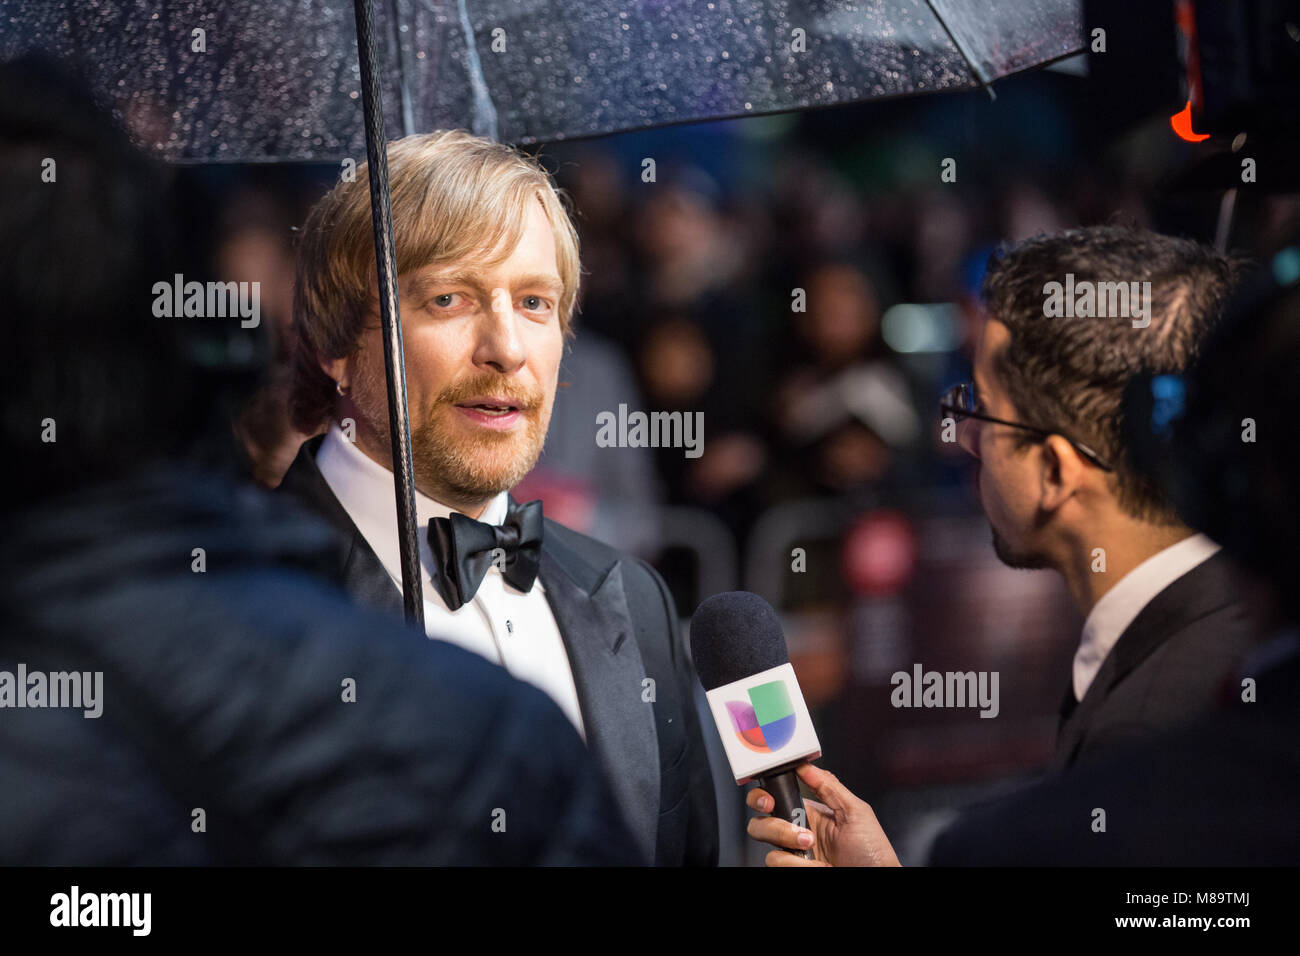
(1201, 590)
(590, 609)
(368, 581)
(362, 573)
(1078, 721)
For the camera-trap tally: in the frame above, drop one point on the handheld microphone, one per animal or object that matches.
(741, 659)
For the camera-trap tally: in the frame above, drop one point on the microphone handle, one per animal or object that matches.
(787, 801)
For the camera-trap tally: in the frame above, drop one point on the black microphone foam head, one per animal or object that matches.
(734, 635)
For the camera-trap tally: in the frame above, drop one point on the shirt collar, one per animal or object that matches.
(1118, 607)
(365, 490)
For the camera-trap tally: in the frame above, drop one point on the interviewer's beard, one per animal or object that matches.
(1021, 560)
(455, 468)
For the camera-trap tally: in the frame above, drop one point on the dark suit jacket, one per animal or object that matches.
(1222, 791)
(1167, 668)
(619, 627)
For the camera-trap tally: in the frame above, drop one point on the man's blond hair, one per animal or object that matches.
(454, 196)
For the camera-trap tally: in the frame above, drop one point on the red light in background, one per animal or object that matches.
(1182, 124)
(879, 554)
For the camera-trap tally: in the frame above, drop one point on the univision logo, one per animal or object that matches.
(766, 722)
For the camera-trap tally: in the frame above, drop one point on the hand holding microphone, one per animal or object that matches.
(766, 731)
(845, 830)
(741, 659)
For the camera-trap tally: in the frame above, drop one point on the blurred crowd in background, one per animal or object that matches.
(810, 284)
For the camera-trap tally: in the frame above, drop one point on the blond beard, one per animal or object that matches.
(461, 469)
(479, 467)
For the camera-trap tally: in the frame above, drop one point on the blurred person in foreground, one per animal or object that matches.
(181, 683)
(488, 270)
(1167, 619)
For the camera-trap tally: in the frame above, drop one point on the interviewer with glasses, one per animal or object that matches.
(1165, 620)
(961, 403)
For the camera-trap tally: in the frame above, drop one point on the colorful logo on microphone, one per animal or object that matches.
(766, 722)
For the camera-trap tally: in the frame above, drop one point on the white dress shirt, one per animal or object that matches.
(509, 628)
(1112, 615)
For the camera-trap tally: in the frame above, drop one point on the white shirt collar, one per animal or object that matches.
(1112, 615)
(365, 490)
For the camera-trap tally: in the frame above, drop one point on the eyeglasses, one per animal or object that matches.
(962, 404)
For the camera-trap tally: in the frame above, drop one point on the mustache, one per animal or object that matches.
(523, 397)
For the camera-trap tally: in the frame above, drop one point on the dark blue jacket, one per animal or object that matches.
(223, 691)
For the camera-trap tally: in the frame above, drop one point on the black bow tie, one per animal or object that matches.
(463, 550)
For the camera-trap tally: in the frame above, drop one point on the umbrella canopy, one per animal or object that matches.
(267, 81)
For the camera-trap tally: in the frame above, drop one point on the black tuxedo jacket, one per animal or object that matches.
(1221, 791)
(619, 627)
(1167, 668)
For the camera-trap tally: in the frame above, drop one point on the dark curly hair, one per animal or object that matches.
(1069, 374)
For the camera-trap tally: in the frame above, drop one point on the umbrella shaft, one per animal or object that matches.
(390, 314)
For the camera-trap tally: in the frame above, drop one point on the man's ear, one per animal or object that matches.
(336, 369)
(1061, 473)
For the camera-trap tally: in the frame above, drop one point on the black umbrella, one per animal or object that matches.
(275, 80)
(246, 81)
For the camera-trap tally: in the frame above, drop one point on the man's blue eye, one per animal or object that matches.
(532, 302)
(439, 299)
